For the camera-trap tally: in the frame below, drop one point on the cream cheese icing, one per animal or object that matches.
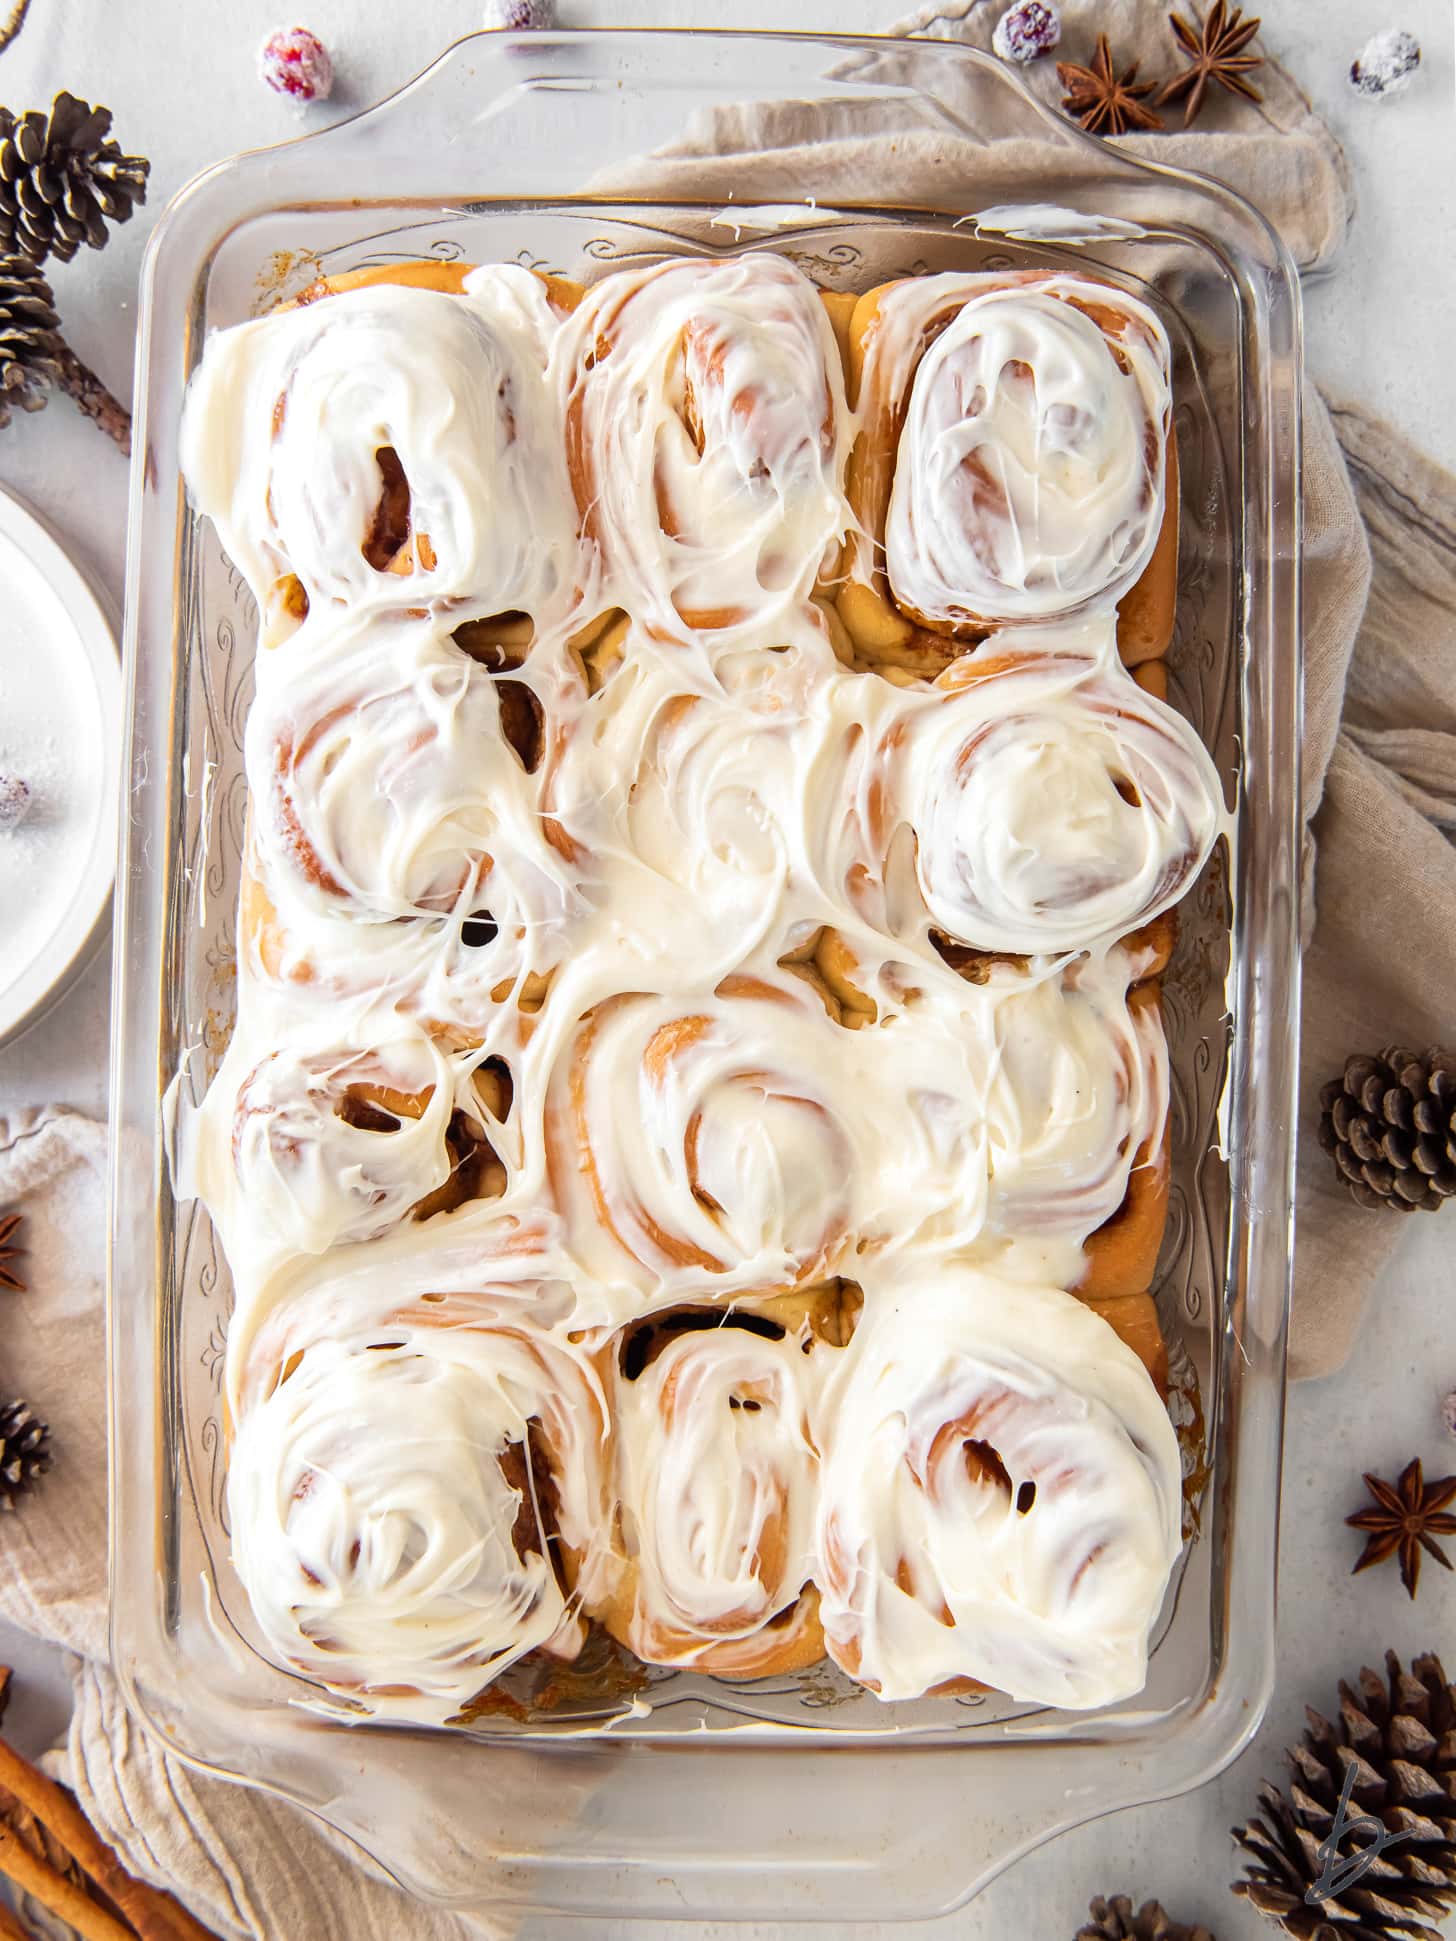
(1000, 1498)
(286, 417)
(707, 429)
(695, 935)
(1055, 802)
(1027, 481)
(373, 1509)
(716, 1471)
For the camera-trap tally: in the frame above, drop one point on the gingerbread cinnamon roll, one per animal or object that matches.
(383, 436)
(1010, 463)
(400, 1495)
(334, 1147)
(716, 1476)
(1055, 803)
(706, 438)
(1001, 1497)
(386, 787)
(738, 1163)
(1077, 1105)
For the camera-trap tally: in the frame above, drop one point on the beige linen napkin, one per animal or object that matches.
(1381, 968)
(1278, 153)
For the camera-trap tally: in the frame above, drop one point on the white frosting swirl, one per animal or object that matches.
(716, 1474)
(387, 777)
(1001, 1496)
(1079, 1089)
(706, 430)
(411, 1565)
(1028, 478)
(740, 1161)
(286, 417)
(1055, 803)
(331, 1147)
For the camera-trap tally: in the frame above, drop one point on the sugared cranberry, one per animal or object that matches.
(1385, 64)
(295, 62)
(1029, 29)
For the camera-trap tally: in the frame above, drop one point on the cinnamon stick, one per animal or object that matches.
(92, 398)
(61, 1896)
(154, 1915)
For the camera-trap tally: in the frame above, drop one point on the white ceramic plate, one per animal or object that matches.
(60, 731)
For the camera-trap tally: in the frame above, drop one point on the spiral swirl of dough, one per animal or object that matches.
(1054, 802)
(451, 385)
(1028, 477)
(334, 1147)
(1001, 1496)
(739, 1165)
(386, 788)
(706, 435)
(716, 1474)
(414, 1566)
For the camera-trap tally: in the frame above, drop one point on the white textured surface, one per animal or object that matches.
(1377, 328)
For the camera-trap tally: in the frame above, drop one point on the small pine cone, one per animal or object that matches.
(1114, 1920)
(25, 1451)
(1399, 1734)
(61, 181)
(1390, 1125)
(29, 344)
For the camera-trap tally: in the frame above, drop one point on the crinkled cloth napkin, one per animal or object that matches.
(1380, 787)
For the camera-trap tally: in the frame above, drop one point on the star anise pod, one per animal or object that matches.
(1216, 50)
(10, 1253)
(1105, 102)
(1409, 1515)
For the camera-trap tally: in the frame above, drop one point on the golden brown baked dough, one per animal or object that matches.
(889, 636)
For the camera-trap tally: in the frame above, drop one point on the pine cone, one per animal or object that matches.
(1114, 1920)
(1401, 1740)
(1390, 1124)
(29, 344)
(61, 181)
(25, 1451)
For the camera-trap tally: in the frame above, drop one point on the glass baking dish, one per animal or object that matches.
(795, 1798)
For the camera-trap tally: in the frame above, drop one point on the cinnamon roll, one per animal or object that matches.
(470, 982)
(1054, 802)
(739, 1164)
(404, 432)
(400, 1496)
(1077, 1106)
(1010, 466)
(1122, 1252)
(716, 1478)
(332, 1147)
(706, 437)
(1000, 1499)
(386, 788)
(1133, 1318)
